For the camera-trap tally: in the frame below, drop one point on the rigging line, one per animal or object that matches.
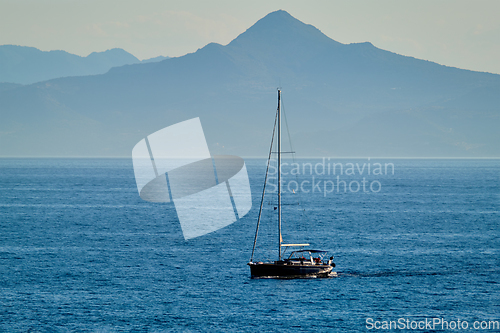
(264, 188)
(287, 130)
(293, 159)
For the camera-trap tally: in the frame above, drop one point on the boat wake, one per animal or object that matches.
(388, 273)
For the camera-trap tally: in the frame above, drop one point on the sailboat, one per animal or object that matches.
(301, 262)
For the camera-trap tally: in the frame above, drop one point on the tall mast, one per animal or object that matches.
(279, 172)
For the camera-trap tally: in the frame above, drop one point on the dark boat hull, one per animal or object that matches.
(283, 270)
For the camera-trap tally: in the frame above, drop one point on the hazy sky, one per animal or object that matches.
(458, 33)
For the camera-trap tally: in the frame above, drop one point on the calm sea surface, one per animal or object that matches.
(80, 251)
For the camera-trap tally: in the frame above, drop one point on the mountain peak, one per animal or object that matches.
(281, 28)
(279, 25)
(279, 14)
(278, 17)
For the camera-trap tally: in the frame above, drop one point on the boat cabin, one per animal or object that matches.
(308, 257)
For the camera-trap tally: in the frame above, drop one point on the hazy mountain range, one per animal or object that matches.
(26, 65)
(340, 100)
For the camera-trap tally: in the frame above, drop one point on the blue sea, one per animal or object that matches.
(81, 252)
